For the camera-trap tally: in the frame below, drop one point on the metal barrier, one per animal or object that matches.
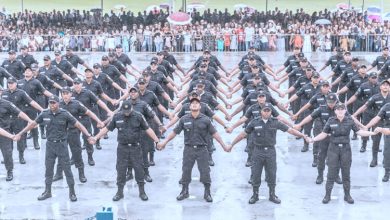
(197, 42)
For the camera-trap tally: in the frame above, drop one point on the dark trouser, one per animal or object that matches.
(201, 156)
(60, 150)
(386, 152)
(322, 154)
(87, 124)
(41, 100)
(210, 146)
(75, 148)
(18, 125)
(129, 153)
(316, 131)
(264, 157)
(339, 156)
(147, 144)
(95, 110)
(6, 150)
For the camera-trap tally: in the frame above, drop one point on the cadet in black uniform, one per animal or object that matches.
(197, 129)
(74, 59)
(129, 124)
(384, 72)
(125, 60)
(339, 69)
(380, 60)
(64, 65)
(14, 66)
(263, 131)
(333, 60)
(24, 102)
(114, 74)
(338, 129)
(58, 121)
(26, 58)
(55, 74)
(4, 74)
(8, 113)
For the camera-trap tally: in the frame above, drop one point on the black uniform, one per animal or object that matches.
(4, 74)
(196, 139)
(15, 68)
(96, 88)
(65, 66)
(114, 74)
(73, 59)
(264, 154)
(333, 60)
(385, 72)
(380, 61)
(27, 60)
(8, 113)
(54, 74)
(58, 124)
(129, 148)
(384, 114)
(338, 70)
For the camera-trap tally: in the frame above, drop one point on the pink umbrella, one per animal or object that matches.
(375, 18)
(343, 6)
(179, 18)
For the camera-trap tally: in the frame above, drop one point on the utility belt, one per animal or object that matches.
(57, 141)
(263, 147)
(130, 145)
(196, 146)
(341, 145)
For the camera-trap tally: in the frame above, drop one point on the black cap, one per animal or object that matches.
(77, 80)
(126, 106)
(34, 67)
(385, 81)
(362, 66)
(340, 50)
(385, 48)
(46, 57)
(154, 59)
(339, 105)
(255, 66)
(347, 53)
(301, 55)
(27, 68)
(309, 69)
(97, 65)
(297, 48)
(200, 83)
(194, 93)
(54, 98)
(266, 106)
(251, 58)
(303, 59)
(11, 80)
(373, 75)
(145, 73)
(256, 75)
(11, 52)
(194, 99)
(68, 48)
(355, 59)
(118, 46)
(111, 54)
(331, 97)
(57, 52)
(24, 47)
(141, 81)
(251, 48)
(315, 75)
(325, 82)
(261, 93)
(133, 89)
(203, 66)
(159, 54)
(206, 51)
(66, 89)
(104, 57)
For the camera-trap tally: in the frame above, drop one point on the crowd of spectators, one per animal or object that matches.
(212, 29)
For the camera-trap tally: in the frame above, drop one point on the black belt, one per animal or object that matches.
(264, 147)
(57, 141)
(340, 144)
(131, 145)
(196, 146)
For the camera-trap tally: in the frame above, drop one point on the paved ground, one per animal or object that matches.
(301, 197)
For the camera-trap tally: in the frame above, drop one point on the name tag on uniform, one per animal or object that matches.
(5, 96)
(320, 99)
(379, 102)
(349, 74)
(251, 90)
(387, 112)
(258, 127)
(366, 90)
(324, 113)
(46, 119)
(342, 66)
(6, 65)
(307, 90)
(334, 125)
(42, 72)
(381, 62)
(253, 100)
(334, 60)
(187, 123)
(255, 112)
(187, 112)
(119, 121)
(357, 80)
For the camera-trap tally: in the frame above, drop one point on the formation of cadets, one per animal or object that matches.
(354, 97)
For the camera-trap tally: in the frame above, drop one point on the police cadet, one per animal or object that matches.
(197, 129)
(172, 60)
(338, 129)
(305, 93)
(64, 65)
(79, 111)
(74, 59)
(346, 77)
(14, 66)
(290, 60)
(339, 69)
(373, 105)
(33, 88)
(58, 121)
(26, 58)
(54, 73)
(24, 102)
(114, 74)
(129, 124)
(380, 60)
(96, 88)
(384, 72)
(333, 60)
(4, 74)
(89, 100)
(125, 60)
(8, 113)
(263, 131)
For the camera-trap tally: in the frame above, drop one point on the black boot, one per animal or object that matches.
(21, 158)
(374, 161)
(58, 175)
(82, 177)
(10, 175)
(364, 146)
(338, 180)
(151, 159)
(98, 147)
(119, 194)
(72, 194)
(354, 137)
(91, 162)
(147, 175)
(207, 193)
(320, 177)
(328, 193)
(272, 197)
(46, 194)
(248, 161)
(142, 193)
(347, 194)
(184, 194)
(315, 160)
(255, 196)
(386, 176)
(305, 147)
(211, 161)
